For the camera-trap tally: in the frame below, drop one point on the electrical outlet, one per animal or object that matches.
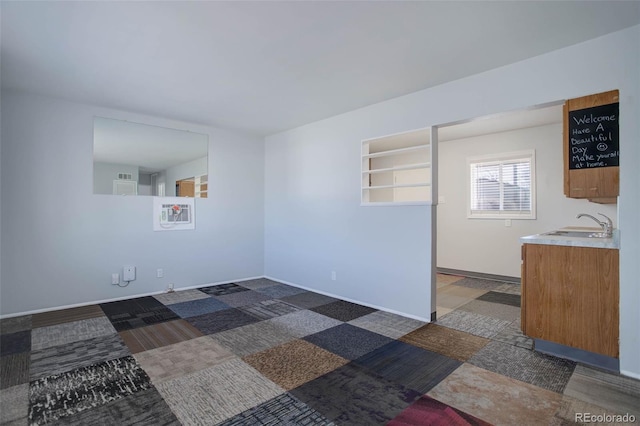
(159, 273)
(507, 222)
(115, 279)
(333, 275)
(170, 288)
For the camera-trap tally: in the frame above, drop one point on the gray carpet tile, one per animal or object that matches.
(343, 311)
(197, 307)
(531, 367)
(407, 365)
(15, 324)
(67, 357)
(243, 298)
(14, 403)
(220, 321)
(351, 395)
(145, 408)
(303, 323)
(504, 298)
(218, 393)
(138, 312)
(308, 300)
(14, 369)
(61, 395)
(282, 410)
(15, 343)
(257, 283)
(180, 296)
(473, 323)
(269, 309)
(490, 309)
(252, 338)
(479, 283)
(387, 324)
(348, 341)
(45, 337)
(613, 392)
(280, 290)
(509, 288)
(221, 289)
(512, 334)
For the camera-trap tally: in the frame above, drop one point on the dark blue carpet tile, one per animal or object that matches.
(139, 312)
(280, 290)
(221, 321)
(348, 341)
(412, 367)
(504, 298)
(65, 394)
(281, 410)
(343, 311)
(142, 408)
(351, 395)
(14, 369)
(197, 307)
(15, 343)
(222, 289)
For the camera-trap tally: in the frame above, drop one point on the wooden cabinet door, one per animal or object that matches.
(600, 184)
(571, 296)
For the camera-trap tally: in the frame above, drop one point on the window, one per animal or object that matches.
(502, 186)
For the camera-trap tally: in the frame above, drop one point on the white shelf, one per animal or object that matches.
(392, 169)
(406, 185)
(396, 151)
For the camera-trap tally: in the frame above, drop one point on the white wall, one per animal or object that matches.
(487, 245)
(67, 258)
(314, 223)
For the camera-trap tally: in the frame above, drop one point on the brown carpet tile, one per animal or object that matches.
(179, 359)
(46, 319)
(446, 341)
(294, 363)
(158, 335)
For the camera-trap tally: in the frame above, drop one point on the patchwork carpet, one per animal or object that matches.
(264, 353)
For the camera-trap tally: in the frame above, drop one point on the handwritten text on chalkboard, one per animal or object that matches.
(593, 137)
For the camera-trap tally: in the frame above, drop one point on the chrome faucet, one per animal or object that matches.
(607, 227)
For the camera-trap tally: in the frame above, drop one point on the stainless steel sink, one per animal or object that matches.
(576, 234)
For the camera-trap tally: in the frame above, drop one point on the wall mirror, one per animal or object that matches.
(139, 159)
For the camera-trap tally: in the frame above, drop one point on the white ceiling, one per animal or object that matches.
(263, 67)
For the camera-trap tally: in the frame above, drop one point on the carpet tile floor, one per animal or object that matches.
(260, 352)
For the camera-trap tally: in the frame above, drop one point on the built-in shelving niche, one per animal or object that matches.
(396, 169)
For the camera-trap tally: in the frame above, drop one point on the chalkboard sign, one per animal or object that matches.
(593, 137)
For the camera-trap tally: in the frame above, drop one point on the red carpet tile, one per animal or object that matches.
(428, 411)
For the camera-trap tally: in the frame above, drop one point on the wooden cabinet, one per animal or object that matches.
(590, 147)
(570, 296)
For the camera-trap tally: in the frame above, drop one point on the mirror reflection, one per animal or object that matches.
(139, 159)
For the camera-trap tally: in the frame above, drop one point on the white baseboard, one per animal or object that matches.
(115, 299)
(630, 374)
(380, 308)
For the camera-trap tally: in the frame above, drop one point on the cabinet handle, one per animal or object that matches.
(595, 188)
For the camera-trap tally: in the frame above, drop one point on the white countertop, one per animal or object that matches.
(563, 240)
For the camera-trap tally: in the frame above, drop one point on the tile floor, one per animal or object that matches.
(263, 353)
